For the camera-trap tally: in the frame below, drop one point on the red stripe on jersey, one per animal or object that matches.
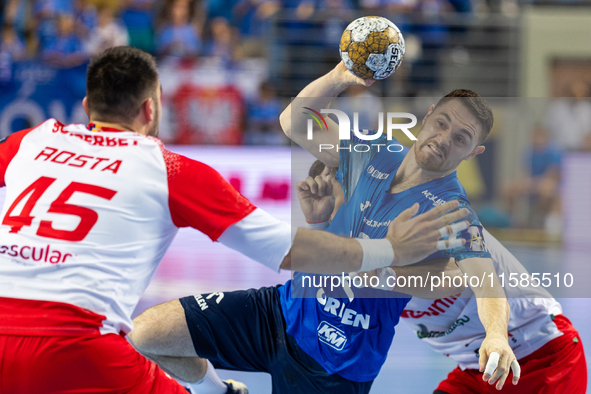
(200, 198)
(8, 149)
(40, 318)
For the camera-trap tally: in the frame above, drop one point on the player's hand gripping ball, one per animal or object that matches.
(372, 47)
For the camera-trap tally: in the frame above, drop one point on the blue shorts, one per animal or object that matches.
(246, 331)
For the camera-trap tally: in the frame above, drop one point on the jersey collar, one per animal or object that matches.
(97, 127)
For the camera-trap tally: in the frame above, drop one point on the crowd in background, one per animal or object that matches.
(185, 28)
(67, 33)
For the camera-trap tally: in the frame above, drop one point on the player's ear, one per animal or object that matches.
(478, 150)
(431, 108)
(148, 109)
(85, 106)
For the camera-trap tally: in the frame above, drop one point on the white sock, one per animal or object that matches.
(210, 384)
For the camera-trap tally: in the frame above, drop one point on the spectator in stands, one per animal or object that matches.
(45, 13)
(12, 49)
(197, 14)
(67, 49)
(223, 41)
(179, 37)
(220, 8)
(16, 13)
(12, 45)
(138, 18)
(110, 32)
(263, 126)
(252, 17)
(569, 119)
(253, 21)
(336, 15)
(86, 17)
(540, 184)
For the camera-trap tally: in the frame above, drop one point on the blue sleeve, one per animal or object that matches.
(353, 162)
(474, 247)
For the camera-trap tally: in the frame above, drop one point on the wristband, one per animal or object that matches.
(377, 253)
(317, 226)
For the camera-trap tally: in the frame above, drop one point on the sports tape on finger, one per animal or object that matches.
(492, 363)
(455, 228)
(449, 243)
(516, 368)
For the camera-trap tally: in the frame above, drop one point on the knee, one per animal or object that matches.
(141, 335)
(162, 330)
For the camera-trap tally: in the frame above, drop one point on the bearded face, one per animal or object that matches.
(450, 134)
(156, 97)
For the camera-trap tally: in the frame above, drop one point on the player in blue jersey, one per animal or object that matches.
(337, 340)
(390, 180)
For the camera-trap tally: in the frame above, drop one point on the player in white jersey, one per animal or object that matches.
(547, 346)
(89, 213)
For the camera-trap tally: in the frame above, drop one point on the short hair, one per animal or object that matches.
(118, 81)
(476, 104)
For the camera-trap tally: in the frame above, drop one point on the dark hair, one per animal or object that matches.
(118, 81)
(477, 106)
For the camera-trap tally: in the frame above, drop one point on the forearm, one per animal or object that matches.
(494, 315)
(493, 307)
(316, 95)
(322, 252)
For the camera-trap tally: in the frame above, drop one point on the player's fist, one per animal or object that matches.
(496, 359)
(342, 76)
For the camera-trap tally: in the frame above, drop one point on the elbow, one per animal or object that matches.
(285, 121)
(286, 263)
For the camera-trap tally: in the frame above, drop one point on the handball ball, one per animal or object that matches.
(372, 47)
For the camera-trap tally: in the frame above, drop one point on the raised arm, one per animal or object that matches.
(317, 95)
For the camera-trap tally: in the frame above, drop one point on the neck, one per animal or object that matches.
(115, 125)
(410, 174)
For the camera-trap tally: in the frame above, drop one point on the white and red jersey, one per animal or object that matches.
(451, 325)
(89, 215)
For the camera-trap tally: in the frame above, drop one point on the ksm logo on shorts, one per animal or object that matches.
(332, 336)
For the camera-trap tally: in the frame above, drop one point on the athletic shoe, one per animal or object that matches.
(235, 387)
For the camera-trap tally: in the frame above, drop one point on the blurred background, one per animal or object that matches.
(229, 67)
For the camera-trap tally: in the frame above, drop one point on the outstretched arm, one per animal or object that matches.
(270, 242)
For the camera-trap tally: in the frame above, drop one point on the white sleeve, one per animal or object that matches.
(260, 237)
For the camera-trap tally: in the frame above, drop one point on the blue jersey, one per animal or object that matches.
(349, 330)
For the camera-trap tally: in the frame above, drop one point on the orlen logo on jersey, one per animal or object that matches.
(332, 336)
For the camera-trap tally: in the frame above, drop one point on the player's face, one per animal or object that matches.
(450, 134)
(157, 97)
